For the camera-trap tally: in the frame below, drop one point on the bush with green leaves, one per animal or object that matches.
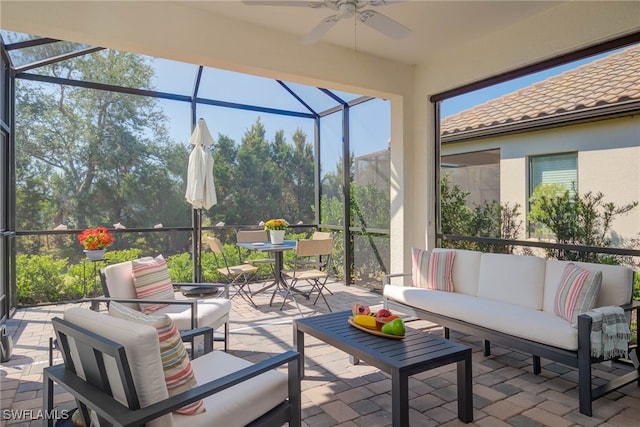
(575, 219)
(39, 279)
(489, 219)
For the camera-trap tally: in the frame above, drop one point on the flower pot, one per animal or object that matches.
(95, 255)
(276, 236)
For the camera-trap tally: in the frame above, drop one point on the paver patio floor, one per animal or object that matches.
(337, 393)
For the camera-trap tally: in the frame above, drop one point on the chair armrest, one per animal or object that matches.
(192, 302)
(386, 279)
(118, 414)
(206, 332)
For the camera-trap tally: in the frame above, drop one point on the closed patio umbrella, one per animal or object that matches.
(201, 191)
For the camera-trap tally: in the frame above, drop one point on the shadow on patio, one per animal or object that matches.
(337, 393)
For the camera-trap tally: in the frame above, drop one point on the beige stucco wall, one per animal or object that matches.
(175, 31)
(608, 162)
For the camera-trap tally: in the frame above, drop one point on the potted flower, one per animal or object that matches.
(95, 242)
(276, 228)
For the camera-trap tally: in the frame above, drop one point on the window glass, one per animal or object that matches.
(559, 170)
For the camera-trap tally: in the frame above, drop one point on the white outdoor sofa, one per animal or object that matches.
(509, 299)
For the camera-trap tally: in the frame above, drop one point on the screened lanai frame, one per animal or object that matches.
(438, 98)
(341, 105)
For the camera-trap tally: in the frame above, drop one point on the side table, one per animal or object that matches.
(94, 266)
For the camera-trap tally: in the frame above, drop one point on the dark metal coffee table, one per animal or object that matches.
(417, 352)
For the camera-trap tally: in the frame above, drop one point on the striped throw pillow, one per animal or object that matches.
(151, 280)
(577, 292)
(419, 267)
(178, 373)
(440, 267)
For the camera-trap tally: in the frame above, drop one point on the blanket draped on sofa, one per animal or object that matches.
(610, 332)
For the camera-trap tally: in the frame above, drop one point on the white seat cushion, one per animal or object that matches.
(527, 323)
(212, 312)
(240, 404)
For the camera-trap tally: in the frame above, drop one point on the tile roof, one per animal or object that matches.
(608, 81)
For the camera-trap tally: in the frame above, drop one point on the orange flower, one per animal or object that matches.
(96, 238)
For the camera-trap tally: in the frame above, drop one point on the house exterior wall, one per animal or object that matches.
(608, 162)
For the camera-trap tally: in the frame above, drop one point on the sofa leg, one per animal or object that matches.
(487, 347)
(445, 333)
(537, 368)
(585, 392)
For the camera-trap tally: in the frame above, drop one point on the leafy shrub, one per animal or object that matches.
(39, 279)
(180, 268)
(576, 219)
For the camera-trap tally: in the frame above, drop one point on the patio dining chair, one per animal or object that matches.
(237, 275)
(315, 261)
(119, 284)
(316, 276)
(253, 236)
(129, 371)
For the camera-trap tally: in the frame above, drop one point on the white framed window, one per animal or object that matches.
(557, 170)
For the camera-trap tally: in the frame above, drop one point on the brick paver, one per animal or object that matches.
(336, 393)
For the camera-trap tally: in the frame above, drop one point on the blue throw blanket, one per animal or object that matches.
(610, 332)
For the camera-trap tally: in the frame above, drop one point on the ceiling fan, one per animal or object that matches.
(344, 9)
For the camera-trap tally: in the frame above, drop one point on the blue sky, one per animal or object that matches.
(370, 127)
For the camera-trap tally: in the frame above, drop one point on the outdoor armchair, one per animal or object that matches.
(114, 369)
(187, 313)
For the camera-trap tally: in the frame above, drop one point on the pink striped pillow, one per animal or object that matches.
(419, 267)
(178, 373)
(440, 267)
(577, 292)
(151, 280)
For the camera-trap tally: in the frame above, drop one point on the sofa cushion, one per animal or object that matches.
(152, 281)
(143, 353)
(514, 279)
(616, 288)
(420, 267)
(504, 317)
(440, 269)
(577, 292)
(237, 405)
(119, 282)
(466, 270)
(178, 374)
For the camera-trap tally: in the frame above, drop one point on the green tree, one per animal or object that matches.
(106, 155)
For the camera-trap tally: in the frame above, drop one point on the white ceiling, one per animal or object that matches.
(436, 25)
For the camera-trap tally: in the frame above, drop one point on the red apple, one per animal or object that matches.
(381, 321)
(383, 313)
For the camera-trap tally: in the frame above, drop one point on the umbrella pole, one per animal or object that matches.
(196, 245)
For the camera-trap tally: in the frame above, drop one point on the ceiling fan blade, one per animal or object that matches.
(379, 3)
(384, 24)
(320, 30)
(296, 3)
